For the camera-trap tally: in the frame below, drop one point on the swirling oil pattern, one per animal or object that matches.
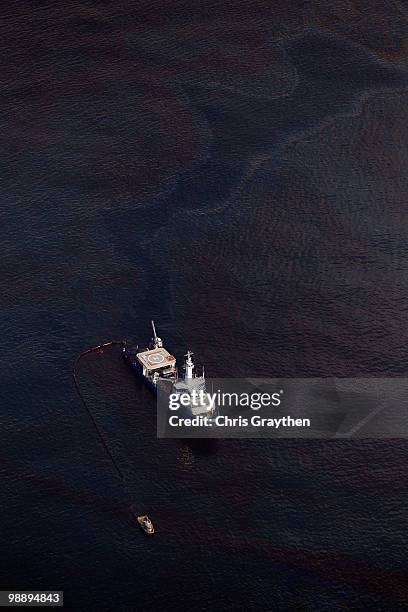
(236, 170)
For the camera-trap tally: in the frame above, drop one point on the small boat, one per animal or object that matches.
(146, 524)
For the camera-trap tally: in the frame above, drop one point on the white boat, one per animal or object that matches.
(146, 524)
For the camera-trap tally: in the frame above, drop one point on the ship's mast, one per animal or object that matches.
(189, 365)
(157, 342)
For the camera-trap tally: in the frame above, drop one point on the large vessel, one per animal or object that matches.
(156, 365)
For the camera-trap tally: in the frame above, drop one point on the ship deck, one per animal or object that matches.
(155, 359)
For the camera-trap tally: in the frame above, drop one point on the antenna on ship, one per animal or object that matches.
(189, 365)
(156, 340)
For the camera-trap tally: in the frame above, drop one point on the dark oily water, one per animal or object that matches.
(239, 174)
